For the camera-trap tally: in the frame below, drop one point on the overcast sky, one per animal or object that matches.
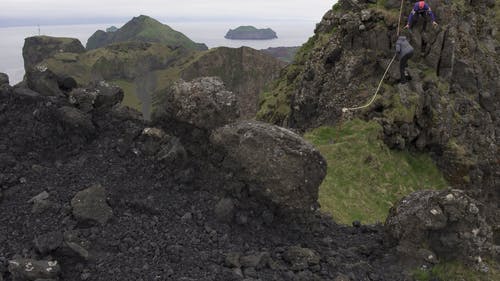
(78, 10)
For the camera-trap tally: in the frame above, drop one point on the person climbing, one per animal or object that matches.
(420, 9)
(405, 52)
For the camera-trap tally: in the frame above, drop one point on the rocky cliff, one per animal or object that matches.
(245, 71)
(449, 109)
(143, 29)
(145, 69)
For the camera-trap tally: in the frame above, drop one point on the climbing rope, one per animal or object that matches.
(345, 109)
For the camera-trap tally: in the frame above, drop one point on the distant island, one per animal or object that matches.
(250, 33)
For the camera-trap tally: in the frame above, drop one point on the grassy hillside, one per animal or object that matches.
(143, 29)
(365, 178)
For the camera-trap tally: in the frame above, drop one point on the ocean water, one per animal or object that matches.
(290, 33)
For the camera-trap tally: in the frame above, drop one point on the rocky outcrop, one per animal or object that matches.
(450, 108)
(245, 71)
(434, 225)
(4, 79)
(203, 103)
(143, 29)
(250, 33)
(38, 48)
(278, 165)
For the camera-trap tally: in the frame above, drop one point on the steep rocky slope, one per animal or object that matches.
(450, 108)
(143, 29)
(244, 70)
(93, 193)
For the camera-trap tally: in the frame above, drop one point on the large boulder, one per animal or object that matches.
(276, 163)
(42, 80)
(38, 48)
(448, 223)
(76, 120)
(203, 103)
(97, 95)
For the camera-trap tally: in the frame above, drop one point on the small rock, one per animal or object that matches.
(232, 260)
(428, 256)
(48, 242)
(75, 119)
(250, 272)
(342, 277)
(78, 250)
(28, 269)
(366, 15)
(255, 261)
(90, 205)
(187, 217)
(301, 258)
(224, 210)
(356, 224)
(42, 196)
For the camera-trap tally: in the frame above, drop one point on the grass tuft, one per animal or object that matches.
(365, 178)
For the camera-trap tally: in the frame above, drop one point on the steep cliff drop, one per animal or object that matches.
(450, 109)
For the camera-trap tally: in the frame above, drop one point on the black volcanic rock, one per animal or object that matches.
(250, 33)
(448, 222)
(4, 79)
(280, 166)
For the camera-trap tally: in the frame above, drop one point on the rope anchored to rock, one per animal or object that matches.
(346, 109)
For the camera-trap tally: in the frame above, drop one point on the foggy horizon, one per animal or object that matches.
(54, 12)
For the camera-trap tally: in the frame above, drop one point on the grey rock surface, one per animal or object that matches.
(448, 222)
(203, 103)
(90, 205)
(76, 120)
(279, 165)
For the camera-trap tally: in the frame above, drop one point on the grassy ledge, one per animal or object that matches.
(365, 178)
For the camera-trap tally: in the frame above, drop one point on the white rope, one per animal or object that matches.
(345, 109)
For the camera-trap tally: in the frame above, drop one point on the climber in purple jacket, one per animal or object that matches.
(420, 9)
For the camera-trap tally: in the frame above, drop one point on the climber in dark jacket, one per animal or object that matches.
(420, 9)
(404, 51)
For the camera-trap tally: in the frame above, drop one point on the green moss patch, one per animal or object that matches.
(456, 271)
(365, 178)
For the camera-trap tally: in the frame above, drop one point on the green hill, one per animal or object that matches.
(143, 29)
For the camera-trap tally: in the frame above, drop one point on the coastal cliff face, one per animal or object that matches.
(451, 107)
(250, 33)
(143, 29)
(245, 71)
(144, 69)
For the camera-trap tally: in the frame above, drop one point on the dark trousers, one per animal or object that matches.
(403, 64)
(415, 19)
